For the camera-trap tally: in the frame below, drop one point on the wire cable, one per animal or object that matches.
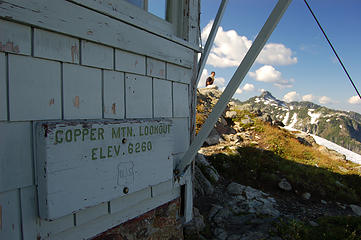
(333, 49)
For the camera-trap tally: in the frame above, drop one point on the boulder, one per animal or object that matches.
(207, 169)
(284, 185)
(306, 196)
(198, 220)
(305, 139)
(249, 200)
(213, 138)
(203, 182)
(195, 226)
(332, 153)
(214, 210)
(232, 138)
(231, 114)
(235, 188)
(356, 209)
(247, 121)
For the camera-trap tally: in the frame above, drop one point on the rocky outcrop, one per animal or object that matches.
(237, 214)
(229, 210)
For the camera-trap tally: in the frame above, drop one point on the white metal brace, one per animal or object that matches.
(234, 83)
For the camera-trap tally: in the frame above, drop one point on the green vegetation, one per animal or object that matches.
(280, 155)
(335, 228)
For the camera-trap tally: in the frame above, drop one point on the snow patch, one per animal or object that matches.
(328, 120)
(351, 156)
(340, 126)
(294, 121)
(314, 116)
(291, 107)
(285, 120)
(257, 100)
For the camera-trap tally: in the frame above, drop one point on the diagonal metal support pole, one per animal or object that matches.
(210, 39)
(235, 81)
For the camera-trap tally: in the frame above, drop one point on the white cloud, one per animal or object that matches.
(291, 96)
(325, 100)
(229, 49)
(248, 87)
(261, 90)
(202, 80)
(354, 100)
(308, 98)
(269, 74)
(218, 81)
(276, 54)
(266, 73)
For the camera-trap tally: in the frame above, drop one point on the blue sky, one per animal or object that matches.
(297, 62)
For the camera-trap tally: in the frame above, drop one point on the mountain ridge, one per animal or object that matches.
(340, 127)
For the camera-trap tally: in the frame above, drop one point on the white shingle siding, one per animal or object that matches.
(138, 93)
(180, 100)
(96, 55)
(3, 89)
(16, 159)
(178, 73)
(29, 213)
(76, 68)
(181, 130)
(15, 38)
(34, 88)
(82, 87)
(56, 46)
(129, 62)
(162, 97)
(155, 68)
(113, 94)
(10, 215)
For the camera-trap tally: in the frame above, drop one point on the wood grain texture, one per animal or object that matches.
(66, 17)
(96, 55)
(3, 88)
(113, 95)
(138, 93)
(56, 46)
(9, 202)
(15, 38)
(34, 89)
(15, 155)
(162, 98)
(82, 92)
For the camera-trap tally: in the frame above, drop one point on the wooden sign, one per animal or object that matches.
(84, 163)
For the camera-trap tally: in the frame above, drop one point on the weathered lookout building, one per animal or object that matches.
(96, 108)
(97, 111)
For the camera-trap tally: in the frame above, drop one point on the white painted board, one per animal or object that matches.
(84, 163)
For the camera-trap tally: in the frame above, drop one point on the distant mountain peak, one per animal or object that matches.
(267, 94)
(267, 98)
